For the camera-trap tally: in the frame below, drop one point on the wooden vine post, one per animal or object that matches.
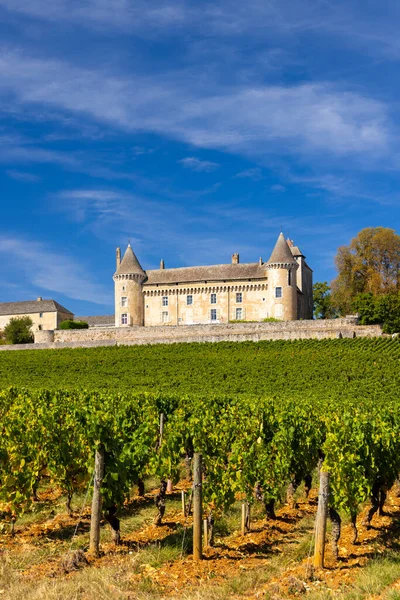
(96, 502)
(183, 503)
(197, 507)
(206, 533)
(245, 518)
(322, 515)
(162, 420)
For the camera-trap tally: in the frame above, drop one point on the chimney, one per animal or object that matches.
(39, 299)
(260, 261)
(118, 257)
(290, 243)
(235, 258)
(162, 264)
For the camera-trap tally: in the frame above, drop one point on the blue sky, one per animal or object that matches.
(195, 128)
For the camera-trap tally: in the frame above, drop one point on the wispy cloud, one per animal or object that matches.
(138, 15)
(308, 119)
(23, 176)
(277, 187)
(254, 174)
(47, 269)
(195, 164)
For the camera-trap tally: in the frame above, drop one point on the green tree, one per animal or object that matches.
(18, 331)
(369, 264)
(379, 309)
(323, 308)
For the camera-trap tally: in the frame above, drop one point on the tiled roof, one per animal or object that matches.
(32, 306)
(129, 264)
(98, 320)
(281, 253)
(295, 250)
(228, 272)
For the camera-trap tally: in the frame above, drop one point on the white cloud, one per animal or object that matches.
(23, 176)
(195, 164)
(127, 15)
(305, 119)
(278, 188)
(254, 174)
(47, 269)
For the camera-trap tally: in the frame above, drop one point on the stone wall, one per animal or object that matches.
(284, 330)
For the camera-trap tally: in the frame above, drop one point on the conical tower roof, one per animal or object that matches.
(129, 264)
(281, 254)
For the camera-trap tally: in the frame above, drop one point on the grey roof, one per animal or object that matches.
(295, 250)
(129, 263)
(32, 306)
(281, 253)
(97, 320)
(228, 272)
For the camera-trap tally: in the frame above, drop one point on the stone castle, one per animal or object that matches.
(280, 288)
(228, 302)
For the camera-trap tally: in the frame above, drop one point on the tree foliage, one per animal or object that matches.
(323, 306)
(379, 309)
(370, 264)
(70, 324)
(18, 331)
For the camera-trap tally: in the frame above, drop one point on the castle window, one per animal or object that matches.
(239, 314)
(239, 297)
(278, 292)
(213, 299)
(124, 288)
(40, 315)
(39, 327)
(289, 277)
(189, 300)
(164, 316)
(213, 314)
(124, 319)
(165, 300)
(124, 301)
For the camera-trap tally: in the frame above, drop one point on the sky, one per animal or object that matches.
(195, 129)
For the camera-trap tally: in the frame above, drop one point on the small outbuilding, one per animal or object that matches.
(45, 314)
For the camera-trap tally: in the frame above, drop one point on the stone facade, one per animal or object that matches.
(280, 288)
(45, 314)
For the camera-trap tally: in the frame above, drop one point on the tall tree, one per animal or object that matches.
(323, 308)
(371, 263)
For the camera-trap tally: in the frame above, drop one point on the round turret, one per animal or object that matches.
(128, 283)
(282, 286)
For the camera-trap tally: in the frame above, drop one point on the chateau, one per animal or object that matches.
(280, 288)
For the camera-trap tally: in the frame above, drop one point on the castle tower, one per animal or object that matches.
(282, 286)
(128, 284)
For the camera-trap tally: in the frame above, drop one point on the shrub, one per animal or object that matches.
(18, 331)
(271, 320)
(69, 324)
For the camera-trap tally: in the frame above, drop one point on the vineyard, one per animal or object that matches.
(265, 417)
